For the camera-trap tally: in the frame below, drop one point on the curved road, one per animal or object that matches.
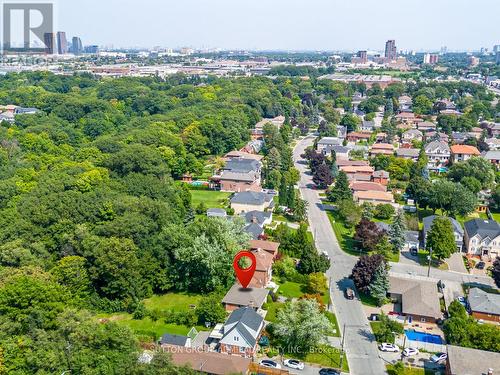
(359, 342)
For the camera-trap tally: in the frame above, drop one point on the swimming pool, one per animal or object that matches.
(423, 337)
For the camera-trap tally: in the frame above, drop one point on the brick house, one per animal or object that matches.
(483, 305)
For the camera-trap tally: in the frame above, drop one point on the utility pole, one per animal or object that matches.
(342, 348)
(430, 260)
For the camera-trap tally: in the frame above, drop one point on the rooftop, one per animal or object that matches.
(464, 149)
(211, 362)
(467, 361)
(251, 197)
(417, 297)
(481, 301)
(245, 297)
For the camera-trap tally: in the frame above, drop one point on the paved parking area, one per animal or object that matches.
(456, 263)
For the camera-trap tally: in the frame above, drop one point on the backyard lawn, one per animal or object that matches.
(162, 303)
(211, 198)
(290, 289)
(409, 371)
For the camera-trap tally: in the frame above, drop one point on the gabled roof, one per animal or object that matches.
(251, 197)
(492, 155)
(430, 219)
(330, 141)
(245, 297)
(481, 301)
(168, 339)
(242, 165)
(408, 152)
(254, 230)
(483, 228)
(367, 186)
(417, 297)
(464, 149)
(270, 246)
(467, 361)
(211, 362)
(257, 217)
(437, 145)
(244, 322)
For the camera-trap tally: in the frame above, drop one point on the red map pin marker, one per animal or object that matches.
(244, 275)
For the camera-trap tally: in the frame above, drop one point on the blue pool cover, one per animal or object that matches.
(423, 337)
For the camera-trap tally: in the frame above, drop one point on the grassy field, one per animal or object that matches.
(272, 308)
(211, 198)
(290, 289)
(422, 259)
(163, 303)
(172, 301)
(335, 325)
(326, 356)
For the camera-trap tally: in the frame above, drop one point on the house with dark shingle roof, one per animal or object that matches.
(467, 361)
(482, 238)
(241, 332)
(419, 299)
(176, 340)
(251, 201)
(458, 232)
(484, 305)
(238, 297)
(239, 174)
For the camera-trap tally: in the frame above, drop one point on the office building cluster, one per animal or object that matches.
(57, 44)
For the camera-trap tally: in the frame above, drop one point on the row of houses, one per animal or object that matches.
(231, 345)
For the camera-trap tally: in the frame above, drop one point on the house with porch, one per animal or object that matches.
(482, 238)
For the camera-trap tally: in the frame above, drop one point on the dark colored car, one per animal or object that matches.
(414, 251)
(374, 317)
(349, 293)
(328, 371)
(480, 265)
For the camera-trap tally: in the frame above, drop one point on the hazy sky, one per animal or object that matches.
(283, 24)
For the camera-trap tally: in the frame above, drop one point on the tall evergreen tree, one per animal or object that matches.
(397, 231)
(380, 284)
(341, 191)
(283, 193)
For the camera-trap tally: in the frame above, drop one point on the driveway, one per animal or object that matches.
(359, 342)
(456, 263)
(407, 258)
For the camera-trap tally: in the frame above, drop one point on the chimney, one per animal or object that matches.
(490, 371)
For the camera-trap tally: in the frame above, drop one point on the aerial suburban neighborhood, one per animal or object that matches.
(232, 188)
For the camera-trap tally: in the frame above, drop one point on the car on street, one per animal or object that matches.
(408, 352)
(325, 253)
(438, 357)
(480, 265)
(269, 363)
(387, 347)
(328, 371)
(349, 293)
(374, 317)
(294, 363)
(414, 251)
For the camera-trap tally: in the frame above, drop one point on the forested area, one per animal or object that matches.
(91, 218)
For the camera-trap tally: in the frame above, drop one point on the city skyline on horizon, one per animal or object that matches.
(205, 26)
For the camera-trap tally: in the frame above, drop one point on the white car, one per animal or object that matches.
(269, 363)
(407, 352)
(439, 357)
(294, 363)
(387, 347)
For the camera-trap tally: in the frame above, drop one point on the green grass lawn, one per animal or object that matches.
(272, 308)
(154, 329)
(335, 325)
(367, 300)
(290, 289)
(327, 356)
(172, 301)
(148, 328)
(344, 235)
(211, 198)
(408, 371)
(422, 259)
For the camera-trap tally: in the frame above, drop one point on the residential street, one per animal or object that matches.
(360, 345)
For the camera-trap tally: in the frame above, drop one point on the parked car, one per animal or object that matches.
(480, 265)
(407, 352)
(414, 251)
(374, 317)
(325, 253)
(269, 363)
(439, 357)
(387, 347)
(349, 293)
(294, 363)
(462, 301)
(328, 371)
